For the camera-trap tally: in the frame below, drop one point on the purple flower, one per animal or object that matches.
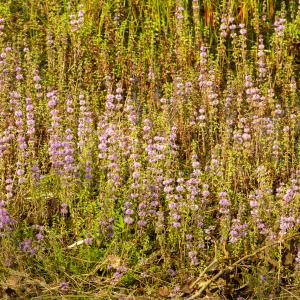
(168, 189)
(154, 203)
(179, 188)
(176, 217)
(64, 208)
(224, 202)
(288, 196)
(222, 194)
(205, 193)
(128, 220)
(136, 175)
(176, 224)
(117, 275)
(20, 172)
(52, 103)
(142, 223)
(189, 236)
(223, 34)
(88, 241)
(26, 246)
(39, 236)
(142, 214)
(64, 286)
(129, 211)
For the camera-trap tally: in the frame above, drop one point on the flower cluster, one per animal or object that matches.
(6, 222)
(76, 21)
(279, 26)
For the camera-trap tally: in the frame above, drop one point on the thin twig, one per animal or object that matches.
(205, 286)
(211, 265)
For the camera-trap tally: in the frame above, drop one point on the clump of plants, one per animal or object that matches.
(149, 149)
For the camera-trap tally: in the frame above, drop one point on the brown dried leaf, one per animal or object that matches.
(225, 252)
(273, 262)
(221, 282)
(13, 281)
(289, 259)
(186, 289)
(164, 291)
(114, 261)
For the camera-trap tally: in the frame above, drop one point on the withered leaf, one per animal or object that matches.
(164, 291)
(289, 259)
(114, 261)
(186, 289)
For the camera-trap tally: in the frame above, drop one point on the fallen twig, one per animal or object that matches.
(289, 292)
(229, 268)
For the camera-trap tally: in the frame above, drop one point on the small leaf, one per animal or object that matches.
(120, 224)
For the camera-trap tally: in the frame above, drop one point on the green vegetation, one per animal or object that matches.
(149, 149)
